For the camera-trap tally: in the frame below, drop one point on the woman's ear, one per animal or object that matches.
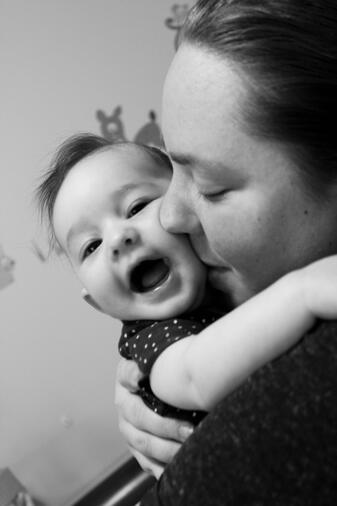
(87, 297)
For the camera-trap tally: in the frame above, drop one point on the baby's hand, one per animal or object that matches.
(320, 287)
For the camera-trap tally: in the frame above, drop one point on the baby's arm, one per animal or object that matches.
(198, 371)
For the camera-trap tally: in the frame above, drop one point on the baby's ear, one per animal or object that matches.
(87, 297)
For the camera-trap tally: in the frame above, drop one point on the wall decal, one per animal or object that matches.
(112, 128)
(150, 133)
(12, 492)
(176, 21)
(6, 269)
(38, 251)
(43, 253)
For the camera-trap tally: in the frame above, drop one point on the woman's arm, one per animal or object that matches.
(198, 371)
(272, 441)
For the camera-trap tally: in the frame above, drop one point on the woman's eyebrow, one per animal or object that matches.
(201, 164)
(182, 159)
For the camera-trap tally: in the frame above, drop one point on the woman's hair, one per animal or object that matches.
(285, 50)
(70, 152)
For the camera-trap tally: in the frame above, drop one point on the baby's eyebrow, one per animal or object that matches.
(115, 196)
(77, 229)
(83, 224)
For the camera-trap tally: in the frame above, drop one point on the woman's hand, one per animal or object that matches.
(152, 439)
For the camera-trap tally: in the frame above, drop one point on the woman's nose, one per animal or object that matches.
(177, 213)
(123, 242)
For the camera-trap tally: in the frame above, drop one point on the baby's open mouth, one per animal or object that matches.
(148, 275)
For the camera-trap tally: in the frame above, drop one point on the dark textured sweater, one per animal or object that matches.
(271, 442)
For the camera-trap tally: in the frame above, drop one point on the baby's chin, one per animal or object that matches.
(188, 304)
(171, 308)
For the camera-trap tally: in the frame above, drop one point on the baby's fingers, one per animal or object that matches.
(128, 375)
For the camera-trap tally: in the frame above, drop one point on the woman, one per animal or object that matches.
(248, 105)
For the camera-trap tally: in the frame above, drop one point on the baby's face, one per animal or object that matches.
(106, 218)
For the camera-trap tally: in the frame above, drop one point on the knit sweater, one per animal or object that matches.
(271, 442)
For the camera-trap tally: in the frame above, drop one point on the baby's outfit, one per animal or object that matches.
(144, 340)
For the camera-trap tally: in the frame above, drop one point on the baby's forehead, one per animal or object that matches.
(116, 170)
(140, 153)
(144, 161)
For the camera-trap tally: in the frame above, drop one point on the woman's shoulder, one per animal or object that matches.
(324, 328)
(272, 440)
(317, 351)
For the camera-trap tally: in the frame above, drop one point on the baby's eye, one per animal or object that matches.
(90, 248)
(136, 208)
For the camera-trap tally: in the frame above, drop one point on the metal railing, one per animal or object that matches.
(124, 487)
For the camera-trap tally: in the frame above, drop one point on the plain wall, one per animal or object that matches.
(60, 62)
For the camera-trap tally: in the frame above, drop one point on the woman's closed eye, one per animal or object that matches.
(90, 248)
(214, 196)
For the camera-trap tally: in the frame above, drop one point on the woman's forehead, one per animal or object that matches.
(197, 75)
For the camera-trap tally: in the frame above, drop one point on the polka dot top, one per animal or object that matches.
(144, 340)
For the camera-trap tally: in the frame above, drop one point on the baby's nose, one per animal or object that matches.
(124, 242)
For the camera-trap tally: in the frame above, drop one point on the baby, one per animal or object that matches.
(102, 201)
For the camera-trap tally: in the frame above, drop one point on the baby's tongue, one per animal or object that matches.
(153, 273)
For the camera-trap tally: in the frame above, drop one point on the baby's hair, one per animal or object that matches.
(70, 152)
